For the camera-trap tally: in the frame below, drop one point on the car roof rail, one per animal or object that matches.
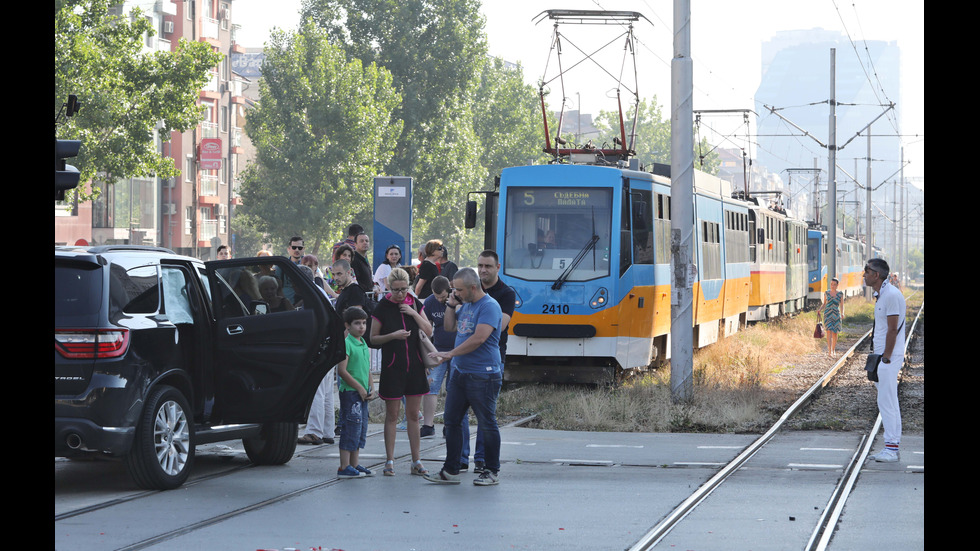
(137, 248)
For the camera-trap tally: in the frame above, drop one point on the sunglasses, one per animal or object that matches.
(296, 248)
(399, 290)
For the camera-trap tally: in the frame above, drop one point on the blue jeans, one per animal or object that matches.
(479, 454)
(477, 391)
(354, 420)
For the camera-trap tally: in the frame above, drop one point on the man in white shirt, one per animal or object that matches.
(888, 339)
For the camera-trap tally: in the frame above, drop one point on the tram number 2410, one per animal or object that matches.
(554, 309)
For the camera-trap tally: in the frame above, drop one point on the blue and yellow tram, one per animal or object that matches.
(587, 250)
(850, 260)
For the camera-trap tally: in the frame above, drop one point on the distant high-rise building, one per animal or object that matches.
(796, 76)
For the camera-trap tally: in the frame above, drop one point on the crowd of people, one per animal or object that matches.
(463, 312)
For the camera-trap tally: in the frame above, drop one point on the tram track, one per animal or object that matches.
(216, 519)
(827, 523)
(822, 533)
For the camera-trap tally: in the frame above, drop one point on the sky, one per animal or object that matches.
(726, 47)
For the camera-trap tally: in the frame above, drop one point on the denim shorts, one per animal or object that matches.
(354, 420)
(436, 376)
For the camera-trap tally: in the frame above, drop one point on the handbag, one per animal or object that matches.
(426, 347)
(818, 332)
(871, 366)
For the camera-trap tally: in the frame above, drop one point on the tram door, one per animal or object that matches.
(636, 274)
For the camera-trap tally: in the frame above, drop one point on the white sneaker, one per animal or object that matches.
(886, 456)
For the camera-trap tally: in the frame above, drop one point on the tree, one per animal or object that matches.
(129, 97)
(434, 50)
(324, 125)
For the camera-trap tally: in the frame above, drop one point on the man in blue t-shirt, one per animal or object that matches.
(476, 377)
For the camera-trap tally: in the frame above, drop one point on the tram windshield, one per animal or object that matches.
(547, 228)
(812, 254)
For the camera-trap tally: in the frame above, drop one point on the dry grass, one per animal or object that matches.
(731, 384)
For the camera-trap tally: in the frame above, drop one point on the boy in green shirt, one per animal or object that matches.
(356, 389)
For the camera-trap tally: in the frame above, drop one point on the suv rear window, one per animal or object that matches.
(77, 290)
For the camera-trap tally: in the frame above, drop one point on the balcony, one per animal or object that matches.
(209, 31)
(236, 48)
(209, 129)
(208, 194)
(166, 7)
(207, 229)
(236, 140)
(212, 89)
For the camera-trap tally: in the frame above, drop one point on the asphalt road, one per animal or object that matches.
(558, 490)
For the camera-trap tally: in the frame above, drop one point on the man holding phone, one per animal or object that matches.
(476, 377)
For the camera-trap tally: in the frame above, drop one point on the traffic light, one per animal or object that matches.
(65, 176)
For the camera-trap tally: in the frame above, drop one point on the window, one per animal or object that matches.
(661, 228)
(176, 295)
(710, 250)
(547, 228)
(642, 226)
(736, 237)
(133, 289)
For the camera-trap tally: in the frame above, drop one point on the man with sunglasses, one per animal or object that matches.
(888, 339)
(294, 251)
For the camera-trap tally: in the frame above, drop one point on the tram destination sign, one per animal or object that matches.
(564, 197)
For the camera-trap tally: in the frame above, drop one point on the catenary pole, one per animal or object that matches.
(832, 176)
(682, 206)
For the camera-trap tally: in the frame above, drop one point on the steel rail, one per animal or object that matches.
(658, 532)
(820, 539)
(272, 501)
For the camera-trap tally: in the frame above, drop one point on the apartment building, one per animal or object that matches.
(191, 213)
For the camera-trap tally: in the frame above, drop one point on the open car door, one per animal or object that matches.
(275, 334)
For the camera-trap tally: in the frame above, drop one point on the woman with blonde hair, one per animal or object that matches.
(396, 322)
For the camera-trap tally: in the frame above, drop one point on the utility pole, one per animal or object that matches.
(682, 203)
(832, 169)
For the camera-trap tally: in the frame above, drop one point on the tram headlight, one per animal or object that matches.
(517, 299)
(599, 299)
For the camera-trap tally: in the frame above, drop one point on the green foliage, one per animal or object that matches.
(324, 126)
(466, 116)
(130, 98)
(652, 144)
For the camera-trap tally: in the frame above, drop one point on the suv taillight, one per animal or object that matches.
(91, 343)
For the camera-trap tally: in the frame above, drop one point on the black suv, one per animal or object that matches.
(156, 353)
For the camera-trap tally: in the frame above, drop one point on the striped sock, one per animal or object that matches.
(891, 447)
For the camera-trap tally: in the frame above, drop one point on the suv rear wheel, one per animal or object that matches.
(163, 449)
(274, 445)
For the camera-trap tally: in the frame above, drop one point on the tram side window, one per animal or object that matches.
(710, 250)
(625, 232)
(642, 227)
(736, 238)
(662, 229)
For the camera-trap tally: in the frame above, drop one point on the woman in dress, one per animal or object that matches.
(395, 326)
(833, 315)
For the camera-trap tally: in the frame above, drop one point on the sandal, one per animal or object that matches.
(418, 469)
(389, 469)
